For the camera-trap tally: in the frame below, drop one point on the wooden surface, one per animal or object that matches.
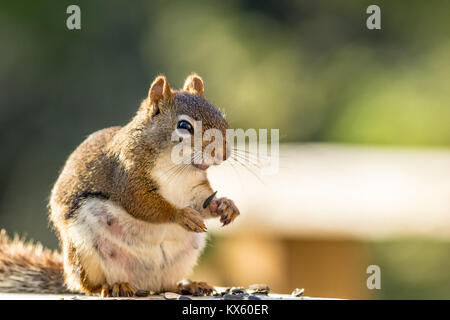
(22, 296)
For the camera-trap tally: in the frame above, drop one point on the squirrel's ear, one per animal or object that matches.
(159, 90)
(194, 84)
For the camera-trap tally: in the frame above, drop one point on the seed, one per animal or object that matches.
(258, 289)
(220, 291)
(142, 293)
(237, 290)
(171, 296)
(233, 297)
(208, 200)
(298, 292)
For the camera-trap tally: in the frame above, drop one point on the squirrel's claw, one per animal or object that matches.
(191, 220)
(122, 289)
(195, 288)
(226, 209)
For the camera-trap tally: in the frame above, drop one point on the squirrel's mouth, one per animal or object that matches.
(201, 166)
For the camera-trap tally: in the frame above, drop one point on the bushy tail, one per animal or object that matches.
(29, 267)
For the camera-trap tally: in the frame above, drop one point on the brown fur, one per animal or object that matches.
(115, 164)
(194, 85)
(28, 267)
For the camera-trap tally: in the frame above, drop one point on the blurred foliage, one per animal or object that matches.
(412, 268)
(309, 68)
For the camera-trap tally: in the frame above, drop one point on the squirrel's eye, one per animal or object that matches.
(183, 124)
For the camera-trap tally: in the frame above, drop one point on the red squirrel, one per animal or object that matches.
(126, 216)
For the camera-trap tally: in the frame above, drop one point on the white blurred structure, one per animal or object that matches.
(338, 190)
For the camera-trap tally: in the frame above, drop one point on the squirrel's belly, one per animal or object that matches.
(148, 256)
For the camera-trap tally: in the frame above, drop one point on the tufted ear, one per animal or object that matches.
(159, 90)
(194, 84)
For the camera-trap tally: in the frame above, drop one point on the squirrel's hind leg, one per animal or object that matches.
(195, 288)
(122, 289)
(81, 273)
(90, 279)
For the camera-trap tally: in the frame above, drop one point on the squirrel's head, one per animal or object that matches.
(184, 124)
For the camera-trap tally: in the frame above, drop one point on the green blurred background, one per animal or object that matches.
(310, 68)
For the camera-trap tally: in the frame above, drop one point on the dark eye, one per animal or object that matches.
(183, 124)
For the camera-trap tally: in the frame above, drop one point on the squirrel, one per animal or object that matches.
(126, 216)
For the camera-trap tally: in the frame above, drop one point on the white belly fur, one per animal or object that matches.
(116, 247)
(176, 185)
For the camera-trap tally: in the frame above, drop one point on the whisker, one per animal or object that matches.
(258, 155)
(250, 155)
(236, 173)
(237, 156)
(250, 170)
(246, 152)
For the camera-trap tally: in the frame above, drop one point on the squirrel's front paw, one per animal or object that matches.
(225, 208)
(190, 219)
